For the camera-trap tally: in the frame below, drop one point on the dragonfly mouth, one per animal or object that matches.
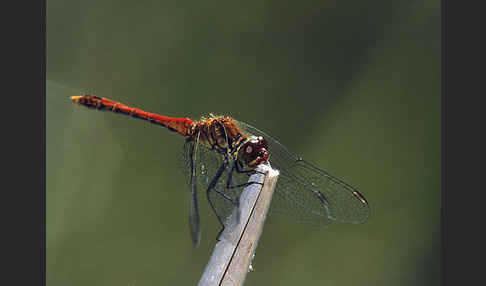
(262, 157)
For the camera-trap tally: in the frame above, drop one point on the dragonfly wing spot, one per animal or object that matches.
(360, 197)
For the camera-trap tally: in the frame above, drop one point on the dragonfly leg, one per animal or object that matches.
(225, 196)
(211, 187)
(219, 233)
(244, 185)
(229, 182)
(240, 169)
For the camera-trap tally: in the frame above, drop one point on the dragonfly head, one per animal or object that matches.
(254, 152)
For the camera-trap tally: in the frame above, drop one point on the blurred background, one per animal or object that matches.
(352, 86)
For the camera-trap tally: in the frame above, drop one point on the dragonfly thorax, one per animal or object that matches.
(220, 134)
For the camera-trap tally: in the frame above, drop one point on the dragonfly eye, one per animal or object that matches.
(255, 152)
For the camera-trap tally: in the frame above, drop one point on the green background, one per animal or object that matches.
(352, 86)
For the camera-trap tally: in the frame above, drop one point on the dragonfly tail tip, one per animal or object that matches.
(75, 98)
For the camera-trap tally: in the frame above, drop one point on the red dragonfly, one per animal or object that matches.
(219, 155)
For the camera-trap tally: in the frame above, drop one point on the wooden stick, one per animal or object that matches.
(233, 253)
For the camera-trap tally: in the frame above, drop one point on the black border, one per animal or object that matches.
(43, 140)
(23, 143)
(462, 146)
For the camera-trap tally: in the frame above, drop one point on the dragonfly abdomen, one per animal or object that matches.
(182, 126)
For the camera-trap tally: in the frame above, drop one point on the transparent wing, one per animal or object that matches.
(189, 168)
(307, 193)
(204, 167)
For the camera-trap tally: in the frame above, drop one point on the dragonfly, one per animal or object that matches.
(219, 155)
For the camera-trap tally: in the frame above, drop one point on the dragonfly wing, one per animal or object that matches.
(293, 199)
(201, 167)
(307, 193)
(190, 149)
(319, 194)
